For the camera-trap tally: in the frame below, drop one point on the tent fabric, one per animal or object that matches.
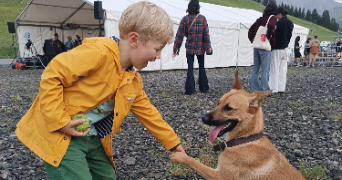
(228, 28)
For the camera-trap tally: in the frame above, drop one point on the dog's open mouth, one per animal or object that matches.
(219, 131)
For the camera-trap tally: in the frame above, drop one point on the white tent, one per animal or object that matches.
(228, 28)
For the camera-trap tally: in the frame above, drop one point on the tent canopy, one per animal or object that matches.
(228, 28)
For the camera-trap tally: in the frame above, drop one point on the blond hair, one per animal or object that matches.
(148, 20)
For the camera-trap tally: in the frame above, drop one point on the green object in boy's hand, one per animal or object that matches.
(82, 127)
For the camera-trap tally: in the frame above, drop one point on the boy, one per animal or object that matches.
(86, 80)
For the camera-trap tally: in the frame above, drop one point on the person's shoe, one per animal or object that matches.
(186, 93)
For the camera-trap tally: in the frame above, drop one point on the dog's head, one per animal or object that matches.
(238, 113)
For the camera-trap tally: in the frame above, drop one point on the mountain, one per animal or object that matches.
(333, 6)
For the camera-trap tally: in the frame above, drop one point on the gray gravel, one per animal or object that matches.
(303, 123)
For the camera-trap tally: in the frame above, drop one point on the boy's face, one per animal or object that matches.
(150, 51)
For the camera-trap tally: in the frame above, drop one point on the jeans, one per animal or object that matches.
(202, 77)
(85, 159)
(262, 58)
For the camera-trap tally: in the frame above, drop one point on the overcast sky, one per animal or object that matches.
(340, 1)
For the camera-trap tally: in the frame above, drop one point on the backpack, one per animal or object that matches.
(260, 40)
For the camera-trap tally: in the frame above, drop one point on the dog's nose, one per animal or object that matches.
(205, 118)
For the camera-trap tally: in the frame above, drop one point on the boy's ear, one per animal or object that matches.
(258, 98)
(133, 39)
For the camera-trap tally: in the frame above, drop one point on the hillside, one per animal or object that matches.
(334, 8)
(324, 34)
(11, 9)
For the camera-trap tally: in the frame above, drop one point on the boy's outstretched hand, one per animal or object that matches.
(70, 128)
(179, 149)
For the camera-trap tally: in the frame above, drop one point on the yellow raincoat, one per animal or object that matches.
(78, 81)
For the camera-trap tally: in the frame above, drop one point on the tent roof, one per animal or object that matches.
(56, 13)
(81, 12)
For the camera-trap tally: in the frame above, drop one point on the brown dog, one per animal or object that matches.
(247, 154)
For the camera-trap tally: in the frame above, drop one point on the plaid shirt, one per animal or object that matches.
(198, 39)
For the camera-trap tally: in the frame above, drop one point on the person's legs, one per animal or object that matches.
(74, 164)
(99, 165)
(255, 85)
(190, 81)
(282, 71)
(202, 76)
(314, 60)
(265, 57)
(274, 71)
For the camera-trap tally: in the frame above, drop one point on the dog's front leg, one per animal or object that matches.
(207, 172)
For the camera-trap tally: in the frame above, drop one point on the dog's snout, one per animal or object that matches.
(206, 118)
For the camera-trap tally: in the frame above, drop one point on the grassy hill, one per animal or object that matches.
(10, 10)
(323, 34)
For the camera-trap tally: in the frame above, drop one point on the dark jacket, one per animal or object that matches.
(270, 29)
(57, 47)
(283, 33)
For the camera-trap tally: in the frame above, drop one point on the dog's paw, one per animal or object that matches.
(178, 157)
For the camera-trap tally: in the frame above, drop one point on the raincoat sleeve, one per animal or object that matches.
(149, 117)
(61, 72)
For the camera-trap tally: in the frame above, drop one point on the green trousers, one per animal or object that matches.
(85, 159)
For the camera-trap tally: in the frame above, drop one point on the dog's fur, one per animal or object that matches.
(254, 160)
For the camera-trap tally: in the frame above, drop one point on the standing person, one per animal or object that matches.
(339, 48)
(195, 28)
(56, 45)
(307, 49)
(101, 83)
(279, 55)
(297, 53)
(69, 44)
(262, 58)
(314, 49)
(78, 40)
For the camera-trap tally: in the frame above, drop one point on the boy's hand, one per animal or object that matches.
(70, 128)
(179, 149)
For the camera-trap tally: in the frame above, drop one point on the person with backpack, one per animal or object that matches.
(262, 57)
(279, 55)
(314, 45)
(195, 28)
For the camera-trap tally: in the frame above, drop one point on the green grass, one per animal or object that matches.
(9, 11)
(323, 34)
(312, 173)
(293, 103)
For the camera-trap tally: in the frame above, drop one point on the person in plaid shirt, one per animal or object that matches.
(197, 43)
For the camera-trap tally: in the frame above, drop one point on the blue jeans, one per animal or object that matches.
(202, 76)
(262, 58)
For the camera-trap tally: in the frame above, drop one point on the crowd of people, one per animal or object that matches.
(58, 47)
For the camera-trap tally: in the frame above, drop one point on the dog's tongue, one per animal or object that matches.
(214, 132)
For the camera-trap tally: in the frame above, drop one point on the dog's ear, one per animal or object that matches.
(237, 84)
(258, 98)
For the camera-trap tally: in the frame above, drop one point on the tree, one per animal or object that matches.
(264, 2)
(299, 13)
(314, 16)
(295, 13)
(282, 5)
(325, 19)
(303, 13)
(333, 25)
(308, 16)
(272, 1)
(291, 10)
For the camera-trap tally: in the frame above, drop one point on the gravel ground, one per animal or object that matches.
(305, 123)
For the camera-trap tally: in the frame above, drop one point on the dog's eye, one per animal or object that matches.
(228, 108)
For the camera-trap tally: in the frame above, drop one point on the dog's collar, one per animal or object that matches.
(236, 142)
